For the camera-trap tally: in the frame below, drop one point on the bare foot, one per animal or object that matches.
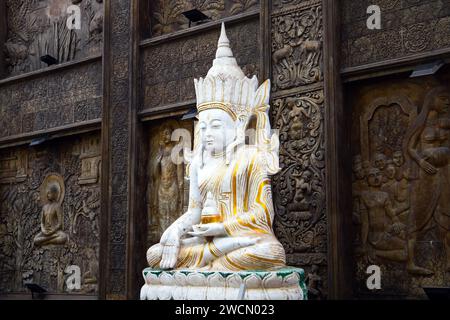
(419, 270)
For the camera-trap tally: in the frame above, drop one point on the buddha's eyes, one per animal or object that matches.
(202, 126)
(216, 125)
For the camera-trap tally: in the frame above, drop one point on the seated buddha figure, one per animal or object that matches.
(228, 224)
(51, 214)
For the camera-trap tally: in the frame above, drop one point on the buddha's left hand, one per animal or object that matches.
(208, 230)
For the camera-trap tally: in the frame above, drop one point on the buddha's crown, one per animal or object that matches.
(227, 88)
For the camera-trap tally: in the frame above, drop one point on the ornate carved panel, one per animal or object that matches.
(167, 14)
(299, 189)
(298, 112)
(37, 28)
(162, 84)
(51, 100)
(167, 188)
(117, 127)
(401, 186)
(297, 39)
(408, 27)
(42, 235)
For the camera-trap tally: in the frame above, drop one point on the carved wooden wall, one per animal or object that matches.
(163, 85)
(36, 28)
(296, 53)
(3, 33)
(166, 16)
(117, 134)
(23, 171)
(147, 84)
(409, 27)
(298, 113)
(400, 141)
(167, 189)
(51, 100)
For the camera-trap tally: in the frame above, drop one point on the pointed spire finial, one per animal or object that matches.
(223, 45)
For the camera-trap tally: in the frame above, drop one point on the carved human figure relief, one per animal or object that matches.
(52, 195)
(401, 184)
(381, 229)
(381, 180)
(166, 188)
(429, 148)
(228, 224)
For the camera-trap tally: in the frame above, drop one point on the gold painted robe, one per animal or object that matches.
(246, 208)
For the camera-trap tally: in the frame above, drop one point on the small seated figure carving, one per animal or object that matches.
(51, 218)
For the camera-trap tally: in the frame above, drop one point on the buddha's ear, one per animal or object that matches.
(262, 96)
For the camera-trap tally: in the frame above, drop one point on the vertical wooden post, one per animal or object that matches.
(120, 132)
(338, 169)
(3, 35)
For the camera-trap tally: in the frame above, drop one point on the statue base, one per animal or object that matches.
(282, 284)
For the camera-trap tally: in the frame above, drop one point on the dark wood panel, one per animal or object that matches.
(408, 28)
(49, 100)
(41, 235)
(400, 139)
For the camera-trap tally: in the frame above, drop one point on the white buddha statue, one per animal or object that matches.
(228, 224)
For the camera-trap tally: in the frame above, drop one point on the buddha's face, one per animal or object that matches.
(217, 130)
(52, 194)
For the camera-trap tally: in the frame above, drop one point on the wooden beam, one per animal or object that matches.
(106, 157)
(3, 34)
(338, 159)
(137, 213)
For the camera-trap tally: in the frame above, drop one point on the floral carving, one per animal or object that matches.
(297, 48)
(299, 188)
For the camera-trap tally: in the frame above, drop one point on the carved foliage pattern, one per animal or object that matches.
(164, 85)
(299, 189)
(37, 28)
(50, 101)
(167, 14)
(408, 27)
(20, 206)
(119, 149)
(297, 47)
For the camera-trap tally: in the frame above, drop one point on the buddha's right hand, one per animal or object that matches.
(170, 242)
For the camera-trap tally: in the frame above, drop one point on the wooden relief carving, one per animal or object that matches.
(167, 14)
(298, 113)
(13, 167)
(48, 220)
(90, 160)
(165, 85)
(52, 100)
(408, 27)
(52, 215)
(37, 28)
(167, 191)
(299, 193)
(401, 185)
(297, 47)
